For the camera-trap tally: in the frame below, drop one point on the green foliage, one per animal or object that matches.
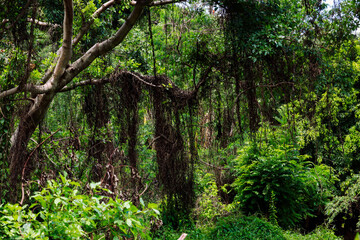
(346, 206)
(231, 227)
(53, 10)
(209, 205)
(274, 179)
(318, 234)
(59, 211)
(241, 227)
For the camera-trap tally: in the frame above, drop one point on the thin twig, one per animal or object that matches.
(146, 187)
(152, 142)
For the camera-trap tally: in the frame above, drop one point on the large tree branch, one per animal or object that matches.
(34, 89)
(66, 49)
(104, 47)
(85, 83)
(64, 52)
(85, 28)
(84, 61)
(105, 81)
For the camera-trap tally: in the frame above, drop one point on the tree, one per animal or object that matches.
(56, 79)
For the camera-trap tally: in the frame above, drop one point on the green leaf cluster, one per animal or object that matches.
(59, 211)
(275, 180)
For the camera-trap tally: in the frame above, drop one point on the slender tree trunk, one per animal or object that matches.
(251, 99)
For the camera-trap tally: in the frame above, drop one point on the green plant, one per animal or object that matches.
(60, 212)
(343, 211)
(275, 180)
(208, 204)
(241, 227)
(319, 233)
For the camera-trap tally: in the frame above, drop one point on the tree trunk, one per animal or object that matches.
(251, 99)
(20, 139)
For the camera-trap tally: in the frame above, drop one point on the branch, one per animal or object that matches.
(52, 81)
(105, 46)
(35, 89)
(66, 49)
(95, 15)
(85, 83)
(142, 80)
(53, 75)
(159, 3)
(43, 24)
(65, 55)
(183, 236)
(104, 81)
(36, 22)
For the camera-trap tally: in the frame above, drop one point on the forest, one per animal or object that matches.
(180, 119)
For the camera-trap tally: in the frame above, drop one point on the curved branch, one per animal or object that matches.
(95, 15)
(84, 61)
(105, 81)
(35, 89)
(85, 83)
(105, 46)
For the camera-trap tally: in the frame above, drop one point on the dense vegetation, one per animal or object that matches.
(148, 119)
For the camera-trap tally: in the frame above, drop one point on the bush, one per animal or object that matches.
(273, 179)
(60, 212)
(343, 211)
(250, 228)
(208, 204)
(318, 234)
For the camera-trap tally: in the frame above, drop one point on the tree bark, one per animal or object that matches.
(18, 151)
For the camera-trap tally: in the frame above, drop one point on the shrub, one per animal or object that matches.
(208, 204)
(244, 228)
(318, 234)
(343, 211)
(60, 212)
(273, 179)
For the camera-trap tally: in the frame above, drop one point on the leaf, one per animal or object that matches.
(129, 222)
(57, 201)
(75, 183)
(94, 185)
(119, 222)
(127, 204)
(156, 211)
(142, 202)
(152, 205)
(134, 209)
